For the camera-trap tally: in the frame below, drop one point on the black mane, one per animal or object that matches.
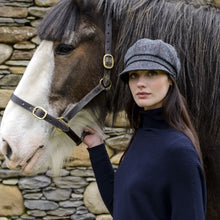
(193, 29)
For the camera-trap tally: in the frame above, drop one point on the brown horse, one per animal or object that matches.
(68, 65)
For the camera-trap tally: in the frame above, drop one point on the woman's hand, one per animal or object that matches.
(91, 138)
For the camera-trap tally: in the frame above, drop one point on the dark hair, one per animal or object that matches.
(174, 111)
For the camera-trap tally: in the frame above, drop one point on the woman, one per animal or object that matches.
(161, 175)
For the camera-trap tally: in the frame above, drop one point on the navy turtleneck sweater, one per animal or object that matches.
(160, 177)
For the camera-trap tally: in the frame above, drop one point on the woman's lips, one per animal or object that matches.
(143, 94)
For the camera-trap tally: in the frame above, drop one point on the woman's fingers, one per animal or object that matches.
(91, 138)
(84, 133)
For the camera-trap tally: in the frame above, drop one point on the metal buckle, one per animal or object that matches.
(61, 120)
(38, 117)
(108, 61)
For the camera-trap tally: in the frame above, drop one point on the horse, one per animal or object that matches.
(68, 64)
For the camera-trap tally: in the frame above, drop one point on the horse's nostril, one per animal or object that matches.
(28, 160)
(6, 149)
(8, 152)
(19, 167)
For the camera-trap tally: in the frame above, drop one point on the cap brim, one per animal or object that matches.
(142, 65)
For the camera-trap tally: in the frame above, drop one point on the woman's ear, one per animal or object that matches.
(170, 81)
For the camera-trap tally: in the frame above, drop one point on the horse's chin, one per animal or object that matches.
(60, 147)
(35, 164)
(30, 170)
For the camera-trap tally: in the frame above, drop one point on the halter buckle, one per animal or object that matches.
(39, 117)
(108, 61)
(61, 120)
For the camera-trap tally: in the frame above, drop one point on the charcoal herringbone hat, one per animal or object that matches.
(147, 54)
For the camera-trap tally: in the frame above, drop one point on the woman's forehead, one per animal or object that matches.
(147, 71)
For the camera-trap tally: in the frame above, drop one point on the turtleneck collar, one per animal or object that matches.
(153, 119)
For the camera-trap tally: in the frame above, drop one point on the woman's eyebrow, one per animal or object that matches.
(152, 71)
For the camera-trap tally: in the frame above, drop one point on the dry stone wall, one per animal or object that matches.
(73, 195)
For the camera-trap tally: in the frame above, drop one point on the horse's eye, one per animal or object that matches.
(64, 49)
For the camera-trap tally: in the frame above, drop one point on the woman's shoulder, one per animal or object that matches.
(179, 138)
(180, 146)
(182, 157)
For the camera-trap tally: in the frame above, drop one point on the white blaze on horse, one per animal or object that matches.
(27, 141)
(68, 65)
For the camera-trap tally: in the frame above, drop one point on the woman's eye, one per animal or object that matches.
(132, 76)
(152, 73)
(64, 49)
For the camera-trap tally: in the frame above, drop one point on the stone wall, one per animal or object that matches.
(73, 195)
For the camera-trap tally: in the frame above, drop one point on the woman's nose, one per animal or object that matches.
(141, 81)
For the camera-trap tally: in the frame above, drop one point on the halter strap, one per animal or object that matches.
(61, 123)
(41, 114)
(105, 82)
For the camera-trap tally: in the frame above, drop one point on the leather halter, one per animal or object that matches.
(61, 123)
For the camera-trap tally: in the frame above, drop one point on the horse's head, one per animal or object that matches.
(65, 67)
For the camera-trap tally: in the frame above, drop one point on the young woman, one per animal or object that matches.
(161, 175)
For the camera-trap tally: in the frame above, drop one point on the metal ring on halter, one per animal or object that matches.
(66, 123)
(106, 87)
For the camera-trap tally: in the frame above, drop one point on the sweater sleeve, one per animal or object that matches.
(104, 174)
(187, 185)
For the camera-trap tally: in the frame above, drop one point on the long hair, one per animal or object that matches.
(176, 114)
(174, 111)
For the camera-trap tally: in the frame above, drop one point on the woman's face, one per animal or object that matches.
(149, 87)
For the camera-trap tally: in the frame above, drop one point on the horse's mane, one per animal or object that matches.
(193, 29)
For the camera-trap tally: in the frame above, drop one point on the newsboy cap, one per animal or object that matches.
(147, 54)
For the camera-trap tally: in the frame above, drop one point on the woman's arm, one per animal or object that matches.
(102, 167)
(187, 185)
